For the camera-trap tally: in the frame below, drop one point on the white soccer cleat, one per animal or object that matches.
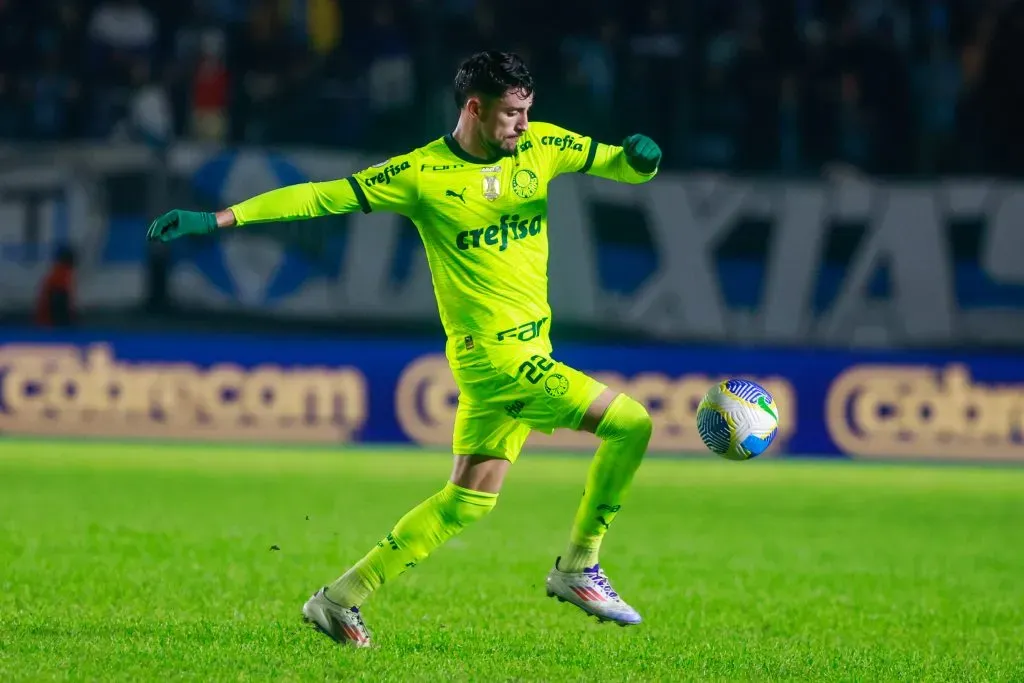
(344, 625)
(591, 591)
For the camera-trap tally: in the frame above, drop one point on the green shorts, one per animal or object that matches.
(505, 391)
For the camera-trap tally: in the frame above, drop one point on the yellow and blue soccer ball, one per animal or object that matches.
(737, 419)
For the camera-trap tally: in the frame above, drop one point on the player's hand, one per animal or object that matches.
(642, 153)
(178, 223)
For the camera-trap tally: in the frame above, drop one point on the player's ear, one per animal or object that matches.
(474, 106)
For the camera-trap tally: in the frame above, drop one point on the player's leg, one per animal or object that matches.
(470, 493)
(624, 427)
(558, 396)
(421, 530)
(335, 608)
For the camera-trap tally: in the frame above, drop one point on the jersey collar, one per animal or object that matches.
(457, 150)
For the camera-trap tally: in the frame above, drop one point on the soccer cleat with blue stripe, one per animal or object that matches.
(344, 625)
(591, 591)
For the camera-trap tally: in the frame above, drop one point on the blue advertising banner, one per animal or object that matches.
(242, 388)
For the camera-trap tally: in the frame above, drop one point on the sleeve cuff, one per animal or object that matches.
(238, 215)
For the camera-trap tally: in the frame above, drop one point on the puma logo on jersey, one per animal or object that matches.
(457, 195)
(509, 227)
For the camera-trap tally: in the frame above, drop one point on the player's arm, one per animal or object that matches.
(635, 161)
(390, 186)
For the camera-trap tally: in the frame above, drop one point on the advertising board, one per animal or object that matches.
(289, 390)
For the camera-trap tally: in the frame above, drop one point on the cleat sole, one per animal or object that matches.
(552, 594)
(343, 643)
(600, 620)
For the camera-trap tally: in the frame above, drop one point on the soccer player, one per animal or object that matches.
(478, 197)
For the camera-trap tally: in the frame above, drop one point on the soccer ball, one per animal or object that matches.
(737, 419)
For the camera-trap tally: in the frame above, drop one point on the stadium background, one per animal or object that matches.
(226, 422)
(836, 215)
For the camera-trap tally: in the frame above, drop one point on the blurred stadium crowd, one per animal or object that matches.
(893, 87)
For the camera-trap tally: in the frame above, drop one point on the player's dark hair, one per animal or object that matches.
(491, 74)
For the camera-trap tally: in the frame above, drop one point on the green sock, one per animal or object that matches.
(624, 430)
(415, 536)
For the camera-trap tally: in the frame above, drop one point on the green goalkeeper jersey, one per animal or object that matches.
(483, 222)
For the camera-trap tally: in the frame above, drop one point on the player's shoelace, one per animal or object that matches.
(597, 575)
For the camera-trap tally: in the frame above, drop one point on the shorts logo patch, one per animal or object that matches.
(513, 409)
(556, 385)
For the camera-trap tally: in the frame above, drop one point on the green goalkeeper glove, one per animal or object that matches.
(642, 153)
(178, 223)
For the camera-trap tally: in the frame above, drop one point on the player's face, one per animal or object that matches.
(503, 121)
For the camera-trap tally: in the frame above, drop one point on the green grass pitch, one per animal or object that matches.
(166, 562)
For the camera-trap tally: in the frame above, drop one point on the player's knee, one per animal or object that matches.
(465, 506)
(627, 418)
(438, 518)
(638, 422)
